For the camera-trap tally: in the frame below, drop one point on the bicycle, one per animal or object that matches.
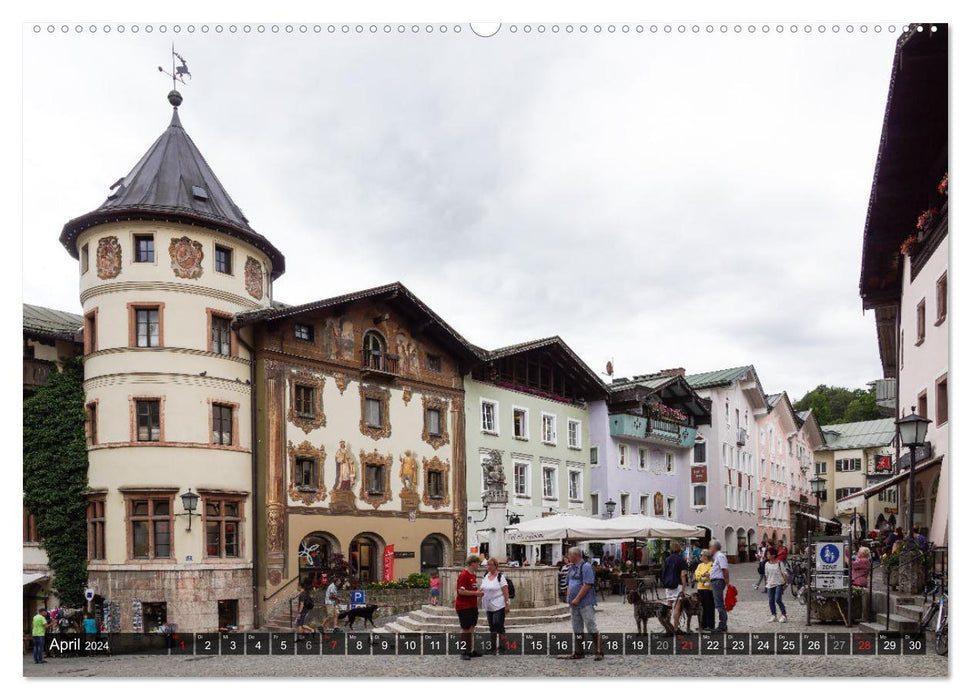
(937, 611)
(798, 579)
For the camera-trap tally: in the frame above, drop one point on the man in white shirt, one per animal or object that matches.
(719, 582)
(331, 601)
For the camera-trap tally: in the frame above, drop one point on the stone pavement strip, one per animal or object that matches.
(750, 615)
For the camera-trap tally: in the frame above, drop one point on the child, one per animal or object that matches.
(436, 588)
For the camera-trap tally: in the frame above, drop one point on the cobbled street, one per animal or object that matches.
(750, 615)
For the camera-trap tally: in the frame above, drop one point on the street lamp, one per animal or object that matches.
(818, 485)
(189, 503)
(610, 505)
(912, 430)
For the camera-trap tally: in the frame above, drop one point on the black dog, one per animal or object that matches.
(365, 612)
(644, 610)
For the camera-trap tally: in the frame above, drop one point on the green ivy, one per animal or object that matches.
(55, 476)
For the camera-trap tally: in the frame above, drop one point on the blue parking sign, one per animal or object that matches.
(357, 597)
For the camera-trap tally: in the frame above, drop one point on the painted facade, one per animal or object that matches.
(360, 421)
(732, 451)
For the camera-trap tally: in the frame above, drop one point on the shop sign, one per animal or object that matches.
(699, 475)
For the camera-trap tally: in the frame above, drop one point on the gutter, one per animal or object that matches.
(253, 479)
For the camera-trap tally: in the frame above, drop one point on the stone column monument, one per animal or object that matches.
(494, 499)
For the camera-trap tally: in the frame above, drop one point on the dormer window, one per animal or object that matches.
(301, 331)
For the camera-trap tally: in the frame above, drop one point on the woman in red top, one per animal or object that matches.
(860, 568)
(467, 596)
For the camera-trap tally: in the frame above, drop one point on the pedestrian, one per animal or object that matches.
(495, 600)
(719, 582)
(920, 539)
(761, 569)
(775, 584)
(782, 552)
(860, 568)
(674, 577)
(562, 578)
(39, 624)
(703, 579)
(436, 584)
(332, 602)
(305, 605)
(582, 596)
(467, 596)
(90, 625)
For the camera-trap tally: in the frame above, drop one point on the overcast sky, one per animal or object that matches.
(690, 201)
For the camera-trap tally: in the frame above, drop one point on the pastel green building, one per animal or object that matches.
(528, 406)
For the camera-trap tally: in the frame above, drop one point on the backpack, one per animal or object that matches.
(512, 588)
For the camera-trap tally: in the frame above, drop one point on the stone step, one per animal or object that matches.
(442, 611)
(897, 624)
(914, 612)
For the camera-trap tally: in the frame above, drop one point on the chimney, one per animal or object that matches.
(674, 372)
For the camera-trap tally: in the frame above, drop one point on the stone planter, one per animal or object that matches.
(834, 609)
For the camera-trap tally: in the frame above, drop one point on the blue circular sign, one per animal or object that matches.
(830, 553)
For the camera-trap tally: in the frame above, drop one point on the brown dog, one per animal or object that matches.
(691, 607)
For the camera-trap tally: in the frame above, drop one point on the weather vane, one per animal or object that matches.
(177, 71)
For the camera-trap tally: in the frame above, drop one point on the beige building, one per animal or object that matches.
(165, 263)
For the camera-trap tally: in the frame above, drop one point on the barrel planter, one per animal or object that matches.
(834, 609)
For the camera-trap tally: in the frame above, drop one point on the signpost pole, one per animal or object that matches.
(809, 584)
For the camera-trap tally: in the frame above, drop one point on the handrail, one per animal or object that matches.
(281, 588)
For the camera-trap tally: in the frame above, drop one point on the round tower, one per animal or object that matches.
(165, 263)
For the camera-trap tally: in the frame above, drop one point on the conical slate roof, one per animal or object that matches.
(173, 182)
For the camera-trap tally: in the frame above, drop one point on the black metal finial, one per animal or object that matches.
(175, 98)
(178, 74)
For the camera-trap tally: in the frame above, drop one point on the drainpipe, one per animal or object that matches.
(254, 500)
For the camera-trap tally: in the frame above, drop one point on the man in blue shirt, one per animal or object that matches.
(582, 597)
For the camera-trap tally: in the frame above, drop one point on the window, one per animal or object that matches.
(595, 503)
(91, 420)
(699, 496)
(150, 520)
(91, 331)
(222, 424)
(901, 348)
(669, 462)
(145, 249)
(224, 260)
(645, 505)
(624, 503)
(521, 478)
(520, 423)
(222, 522)
(848, 491)
(148, 420)
(641, 458)
(595, 456)
(489, 410)
(220, 337)
(374, 474)
(302, 331)
(701, 453)
(725, 460)
(940, 401)
(84, 258)
(436, 484)
(304, 400)
(921, 317)
(941, 299)
(372, 412)
(549, 429)
(670, 510)
(154, 616)
(922, 404)
(305, 474)
(573, 433)
(849, 465)
(147, 328)
(434, 363)
(622, 454)
(228, 614)
(433, 421)
(96, 528)
(549, 482)
(576, 485)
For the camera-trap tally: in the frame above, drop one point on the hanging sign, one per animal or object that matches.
(884, 464)
(388, 572)
(699, 475)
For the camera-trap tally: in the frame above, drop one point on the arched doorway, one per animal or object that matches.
(434, 553)
(313, 555)
(730, 545)
(752, 544)
(364, 557)
(742, 545)
(374, 348)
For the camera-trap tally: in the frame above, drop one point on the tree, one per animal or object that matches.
(55, 476)
(836, 404)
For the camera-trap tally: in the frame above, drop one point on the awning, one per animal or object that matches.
(482, 536)
(856, 500)
(582, 528)
(32, 577)
(812, 516)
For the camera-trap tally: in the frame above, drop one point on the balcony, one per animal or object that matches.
(380, 366)
(36, 373)
(653, 430)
